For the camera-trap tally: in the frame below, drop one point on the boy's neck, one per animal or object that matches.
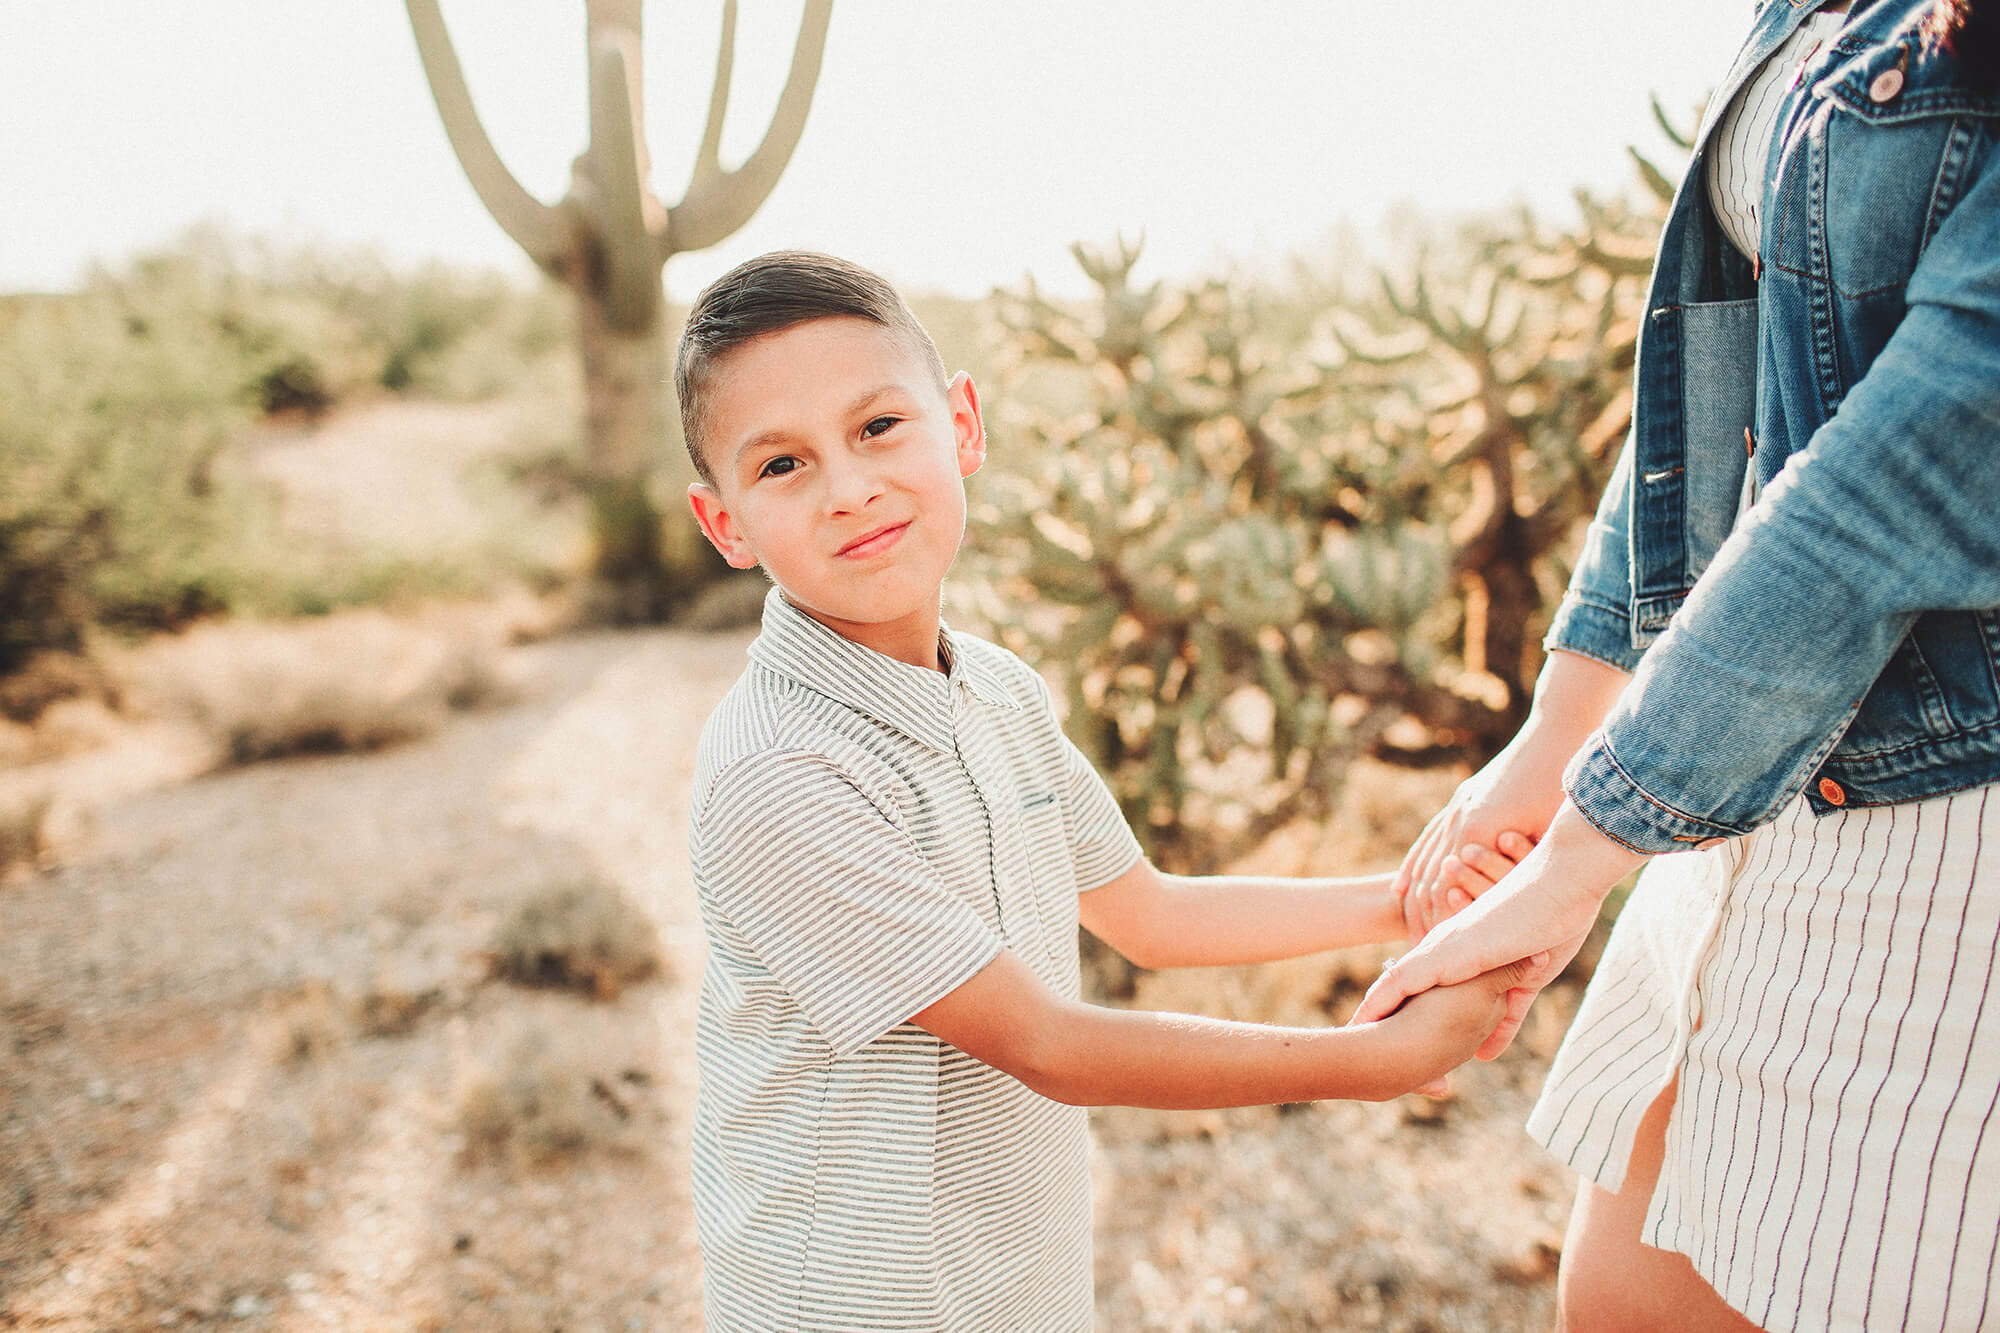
(916, 638)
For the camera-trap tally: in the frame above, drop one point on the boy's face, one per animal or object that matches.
(838, 467)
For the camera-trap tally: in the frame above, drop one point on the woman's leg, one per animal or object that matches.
(1611, 1282)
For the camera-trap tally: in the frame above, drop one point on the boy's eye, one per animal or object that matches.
(779, 466)
(878, 426)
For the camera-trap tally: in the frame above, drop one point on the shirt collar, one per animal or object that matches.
(914, 700)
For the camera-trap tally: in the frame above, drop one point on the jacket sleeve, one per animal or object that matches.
(1892, 509)
(1595, 617)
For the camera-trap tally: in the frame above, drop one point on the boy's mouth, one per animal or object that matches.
(873, 543)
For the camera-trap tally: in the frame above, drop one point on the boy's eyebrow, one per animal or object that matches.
(778, 434)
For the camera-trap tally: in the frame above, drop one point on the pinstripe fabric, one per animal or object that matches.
(1821, 988)
(866, 836)
(1739, 152)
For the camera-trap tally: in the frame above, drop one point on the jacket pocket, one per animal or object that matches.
(1697, 385)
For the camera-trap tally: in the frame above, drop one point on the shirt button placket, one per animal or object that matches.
(1003, 833)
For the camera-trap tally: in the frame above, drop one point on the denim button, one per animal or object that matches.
(1887, 84)
(1832, 791)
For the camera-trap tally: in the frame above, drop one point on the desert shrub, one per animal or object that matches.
(355, 679)
(390, 1007)
(1275, 531)
(303, 1023)
(581, 934)
(543, 1100)
(123, 499)
(25, 804)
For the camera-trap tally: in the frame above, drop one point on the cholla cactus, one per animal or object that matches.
(1277, 534)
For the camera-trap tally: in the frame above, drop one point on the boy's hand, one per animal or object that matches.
(1460, 878)
(1439, 1030)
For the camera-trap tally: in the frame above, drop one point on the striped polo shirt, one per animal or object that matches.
(866, 836)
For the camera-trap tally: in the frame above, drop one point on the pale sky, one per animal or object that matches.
(952, 146)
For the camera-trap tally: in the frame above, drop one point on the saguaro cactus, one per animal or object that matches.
(607, 241)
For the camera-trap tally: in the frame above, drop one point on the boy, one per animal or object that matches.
(893, 845)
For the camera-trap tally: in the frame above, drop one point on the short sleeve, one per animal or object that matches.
(833, 897)
(1100, 837)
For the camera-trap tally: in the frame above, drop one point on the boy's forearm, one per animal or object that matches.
(1217, 920)
(1119, 1057)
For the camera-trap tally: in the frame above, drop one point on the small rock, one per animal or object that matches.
(246, 1306)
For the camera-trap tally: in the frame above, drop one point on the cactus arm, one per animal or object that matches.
(533, 225)
(718, 202)
(708, 158)
(617, 203)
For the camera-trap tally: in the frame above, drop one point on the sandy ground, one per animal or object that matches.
(207, 1121)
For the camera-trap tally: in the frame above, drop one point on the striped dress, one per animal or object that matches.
(1821, 989)
(867, 835)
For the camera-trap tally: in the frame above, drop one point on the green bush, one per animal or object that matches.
(122, 500)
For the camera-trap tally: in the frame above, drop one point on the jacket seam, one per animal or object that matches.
(1919, 744)
(1592, 655)
(1611, 758)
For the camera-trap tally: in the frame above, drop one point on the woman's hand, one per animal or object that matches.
(1545, 906)
(1518, 792)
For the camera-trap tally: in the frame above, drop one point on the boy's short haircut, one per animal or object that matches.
(772, 293)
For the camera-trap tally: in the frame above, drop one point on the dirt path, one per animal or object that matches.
(239, 1036)
(197, 1124)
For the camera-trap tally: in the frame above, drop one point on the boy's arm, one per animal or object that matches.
(1159, 920)
(1088, 1055)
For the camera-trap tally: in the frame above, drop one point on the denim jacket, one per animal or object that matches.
(1843, 639)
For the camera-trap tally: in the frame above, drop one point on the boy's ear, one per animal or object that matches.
(719, 526)
(968, 429)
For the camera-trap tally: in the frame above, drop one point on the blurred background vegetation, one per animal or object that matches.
(1256, 528)
(127, 496)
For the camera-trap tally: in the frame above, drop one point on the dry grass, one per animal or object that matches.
(391, 1008)
(354, 680)
(305, 1023)
(48, 678)
(543, 1100)
(25, 806)
(583, 935)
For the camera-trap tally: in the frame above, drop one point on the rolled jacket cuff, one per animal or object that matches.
(1622, 810)
(1592, 630)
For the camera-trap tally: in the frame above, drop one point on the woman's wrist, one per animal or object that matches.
(1586, 859)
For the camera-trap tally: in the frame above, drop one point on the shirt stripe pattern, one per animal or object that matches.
(1739, 152)
(866, 836)
(1821, 989)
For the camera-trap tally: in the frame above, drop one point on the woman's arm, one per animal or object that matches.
(1088, 1055)
(1518, 790)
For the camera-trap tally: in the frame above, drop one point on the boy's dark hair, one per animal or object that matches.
(772, 293)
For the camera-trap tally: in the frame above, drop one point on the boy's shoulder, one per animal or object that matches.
(763, 715)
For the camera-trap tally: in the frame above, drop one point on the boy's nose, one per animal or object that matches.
(851, 484)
